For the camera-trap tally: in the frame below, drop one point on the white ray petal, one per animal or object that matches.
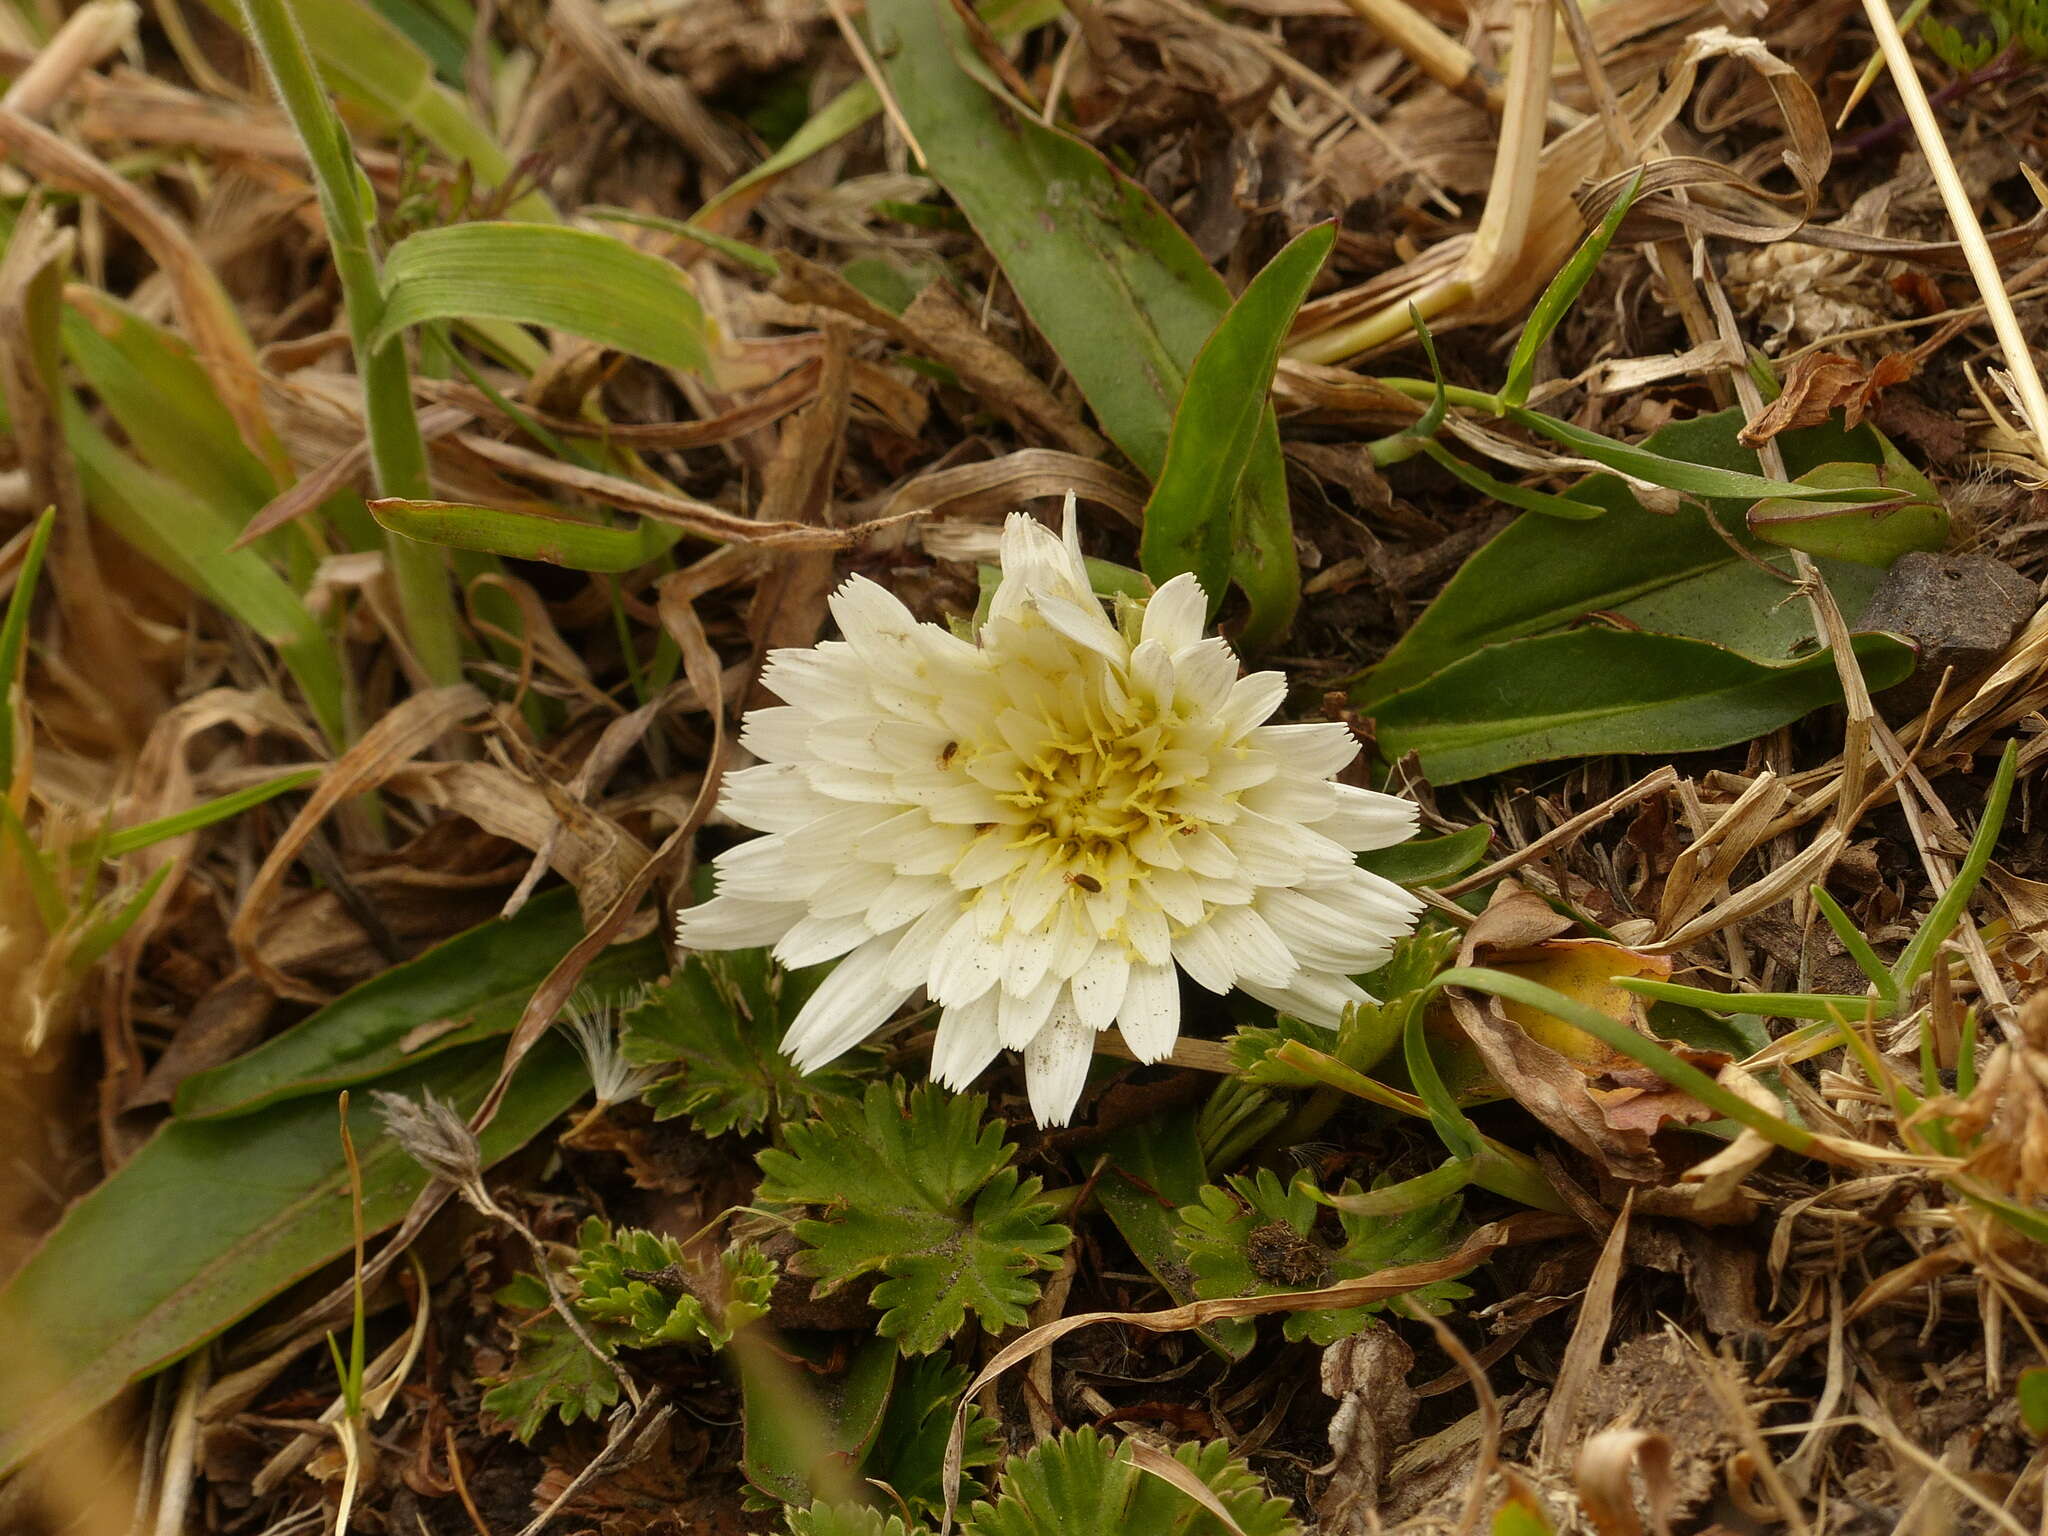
(1149, 1017)
(1175, 613)
(1098, 987)
(1056, 1069)
(729, 922)
(966, 1042)
(850, 1004)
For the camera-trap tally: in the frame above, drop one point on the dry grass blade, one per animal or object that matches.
(1559, 1434)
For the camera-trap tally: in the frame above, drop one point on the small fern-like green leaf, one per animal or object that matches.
(553, 1374)
(1082, 1481)
(638, 1281)
(717, 1022)
(1258, 1238)
(847, 1520)
(921, 1191)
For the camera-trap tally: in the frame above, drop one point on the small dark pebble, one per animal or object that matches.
(1962, 611)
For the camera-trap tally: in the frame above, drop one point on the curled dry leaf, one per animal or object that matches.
(1367, 1374)
(1598, 1100)
(1603, 1481)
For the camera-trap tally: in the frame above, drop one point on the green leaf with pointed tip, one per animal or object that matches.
(922, 1191)
(1115, 285)
(471, 988)
(595, 286)
(1595, 691)
(210, 1219)
(1154, 1169)
(1430, 860)
(1188, 524)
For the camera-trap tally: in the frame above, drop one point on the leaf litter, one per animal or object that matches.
(1703, 1193)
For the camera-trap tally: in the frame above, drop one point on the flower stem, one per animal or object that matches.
(398, 454)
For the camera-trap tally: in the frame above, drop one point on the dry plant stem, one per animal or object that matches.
(631, 1431)
(1483, 1395)
(397, 451)
(1510, 199)
(1648, 785)
(2012, 341)
(891, 108)
(180, 1448)
(88, 35)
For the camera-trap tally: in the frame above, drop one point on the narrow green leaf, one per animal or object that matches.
(1154, 1169)
(738, 250)
(147, 834)
(526, 535)
(102, 935)
(14, 638)
(576, 280)
(1594, 691)
(211, 1219)
(1520, 497)
(1918, 957)
(1189, 514)
(192, 540)
(471, 988)
(373, 64)
(1827, 1007)
(796, 1418)
(1682, 475)
(1858, 947)
(1563, 292)
(1639, 1048)
(51, 907)
(1459, 1136)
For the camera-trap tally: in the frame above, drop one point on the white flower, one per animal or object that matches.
(1037, 829)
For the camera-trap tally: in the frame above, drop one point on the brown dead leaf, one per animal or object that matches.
(1367, 1374)
(1815, 386)
(1601, 1102)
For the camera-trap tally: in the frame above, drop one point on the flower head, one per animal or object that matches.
(1039, 830)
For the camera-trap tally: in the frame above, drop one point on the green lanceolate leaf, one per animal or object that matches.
(1188, 519)
(1257, 1239)
(1114, 284)
(212, 1218)
(14, 640)
(576, 280)
(1430, 860)
(717, 1022)
(553, 540)
(1594, 691)
(812, 1416)
(1520, 497)
(922, 1192)
(1563, 292)
(471, 988)
(1694, 571)
(148, 834)
(1082, 1481)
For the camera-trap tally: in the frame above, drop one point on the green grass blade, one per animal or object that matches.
(1189, 516)
(1563, 292)
(51, 907)
(596, 286)
(1858, 947)
(103, 935)
(191, 539)
(1824, 1007)
(1681, 475)
(1518, 496)
(147, 834)
(1460, 1137)
(526, 535)
(1919, 954)
(14, 639)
